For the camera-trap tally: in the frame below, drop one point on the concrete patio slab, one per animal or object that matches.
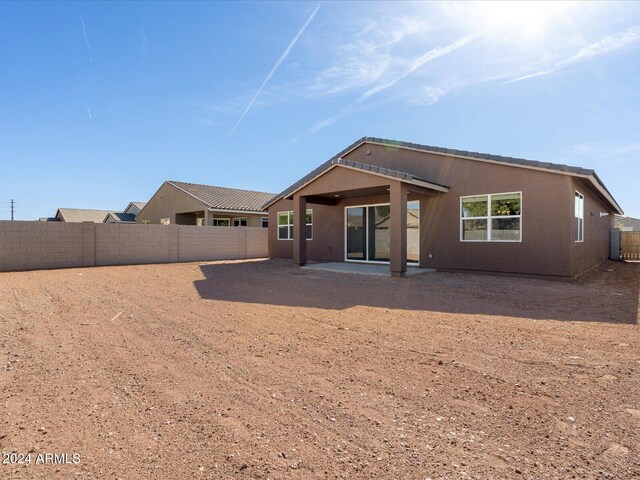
(364, 268)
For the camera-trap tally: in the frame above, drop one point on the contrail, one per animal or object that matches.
(282, 58)
(86, 104)
(86, 39)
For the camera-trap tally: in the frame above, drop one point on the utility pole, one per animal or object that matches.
(13, 208)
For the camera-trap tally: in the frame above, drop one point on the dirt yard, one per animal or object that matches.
(260, 370)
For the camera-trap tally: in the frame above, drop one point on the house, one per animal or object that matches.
(129, 214)
(80, 215)
(476, 212)
(628, 224)
(192, 204)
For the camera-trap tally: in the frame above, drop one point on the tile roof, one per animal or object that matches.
(224, 198)
(121, 217)
(140, 205)
(515, 161)
(82, 215)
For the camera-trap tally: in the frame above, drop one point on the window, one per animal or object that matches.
(491, 218)
(221, 222)
(579, 214)
(240, 222)
(285, 225)
(165, 221)
(265, 222)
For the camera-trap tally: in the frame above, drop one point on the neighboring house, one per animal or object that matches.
(80, 215)
(192, 204)
(628, 224)
(476, 212)
(129, 214)
(119, 217)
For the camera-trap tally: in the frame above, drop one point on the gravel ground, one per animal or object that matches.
(261, 370)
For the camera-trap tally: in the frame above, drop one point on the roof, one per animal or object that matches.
(138, 205)
(223, 198)
(373, 169)
(512, 161)
(120, 217)
(82, 215)
(628, 222)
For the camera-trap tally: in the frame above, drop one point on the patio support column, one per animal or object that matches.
(208, 218)
(299, 230)
(398, 230)
(424, 230)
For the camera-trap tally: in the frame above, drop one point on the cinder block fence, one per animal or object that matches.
(40, 245)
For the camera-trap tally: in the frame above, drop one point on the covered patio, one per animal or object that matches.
(367, 197)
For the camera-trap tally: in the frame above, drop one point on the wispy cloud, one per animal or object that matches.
(426, 96)
(606, 45)
(606, 150)
(364, 56)
(86, 38)
(417, 63)
(412, 66)
(282, 58)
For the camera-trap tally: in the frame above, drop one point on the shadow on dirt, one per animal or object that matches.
(609, 293)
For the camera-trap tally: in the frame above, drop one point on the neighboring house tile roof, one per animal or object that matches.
(514, 161)
(628, 223)
(140, 205)
(120, 217)
(223, 198)
(81, 215)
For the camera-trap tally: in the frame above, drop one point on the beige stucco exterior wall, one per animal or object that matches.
(166, 203)
(180, 208)
(41, 245)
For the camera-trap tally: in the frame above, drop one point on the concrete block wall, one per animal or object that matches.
(40, 245)
(127, 244)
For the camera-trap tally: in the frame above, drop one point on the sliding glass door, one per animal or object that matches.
(356, 234)
(367, 233)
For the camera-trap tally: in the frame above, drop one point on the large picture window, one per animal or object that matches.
(579, 220)
(240, 222)
(491, 218)
(285, 225)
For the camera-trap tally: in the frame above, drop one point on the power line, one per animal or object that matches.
(13, 208)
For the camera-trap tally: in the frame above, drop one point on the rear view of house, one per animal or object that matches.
(193, 204)
(384, 201)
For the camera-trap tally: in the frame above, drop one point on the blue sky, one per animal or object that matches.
(101, 102)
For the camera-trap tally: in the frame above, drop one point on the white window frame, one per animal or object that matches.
(214, 220)
(489, 218)
(240, 221)
(289, 214)
(579, 195)
(262, 220)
